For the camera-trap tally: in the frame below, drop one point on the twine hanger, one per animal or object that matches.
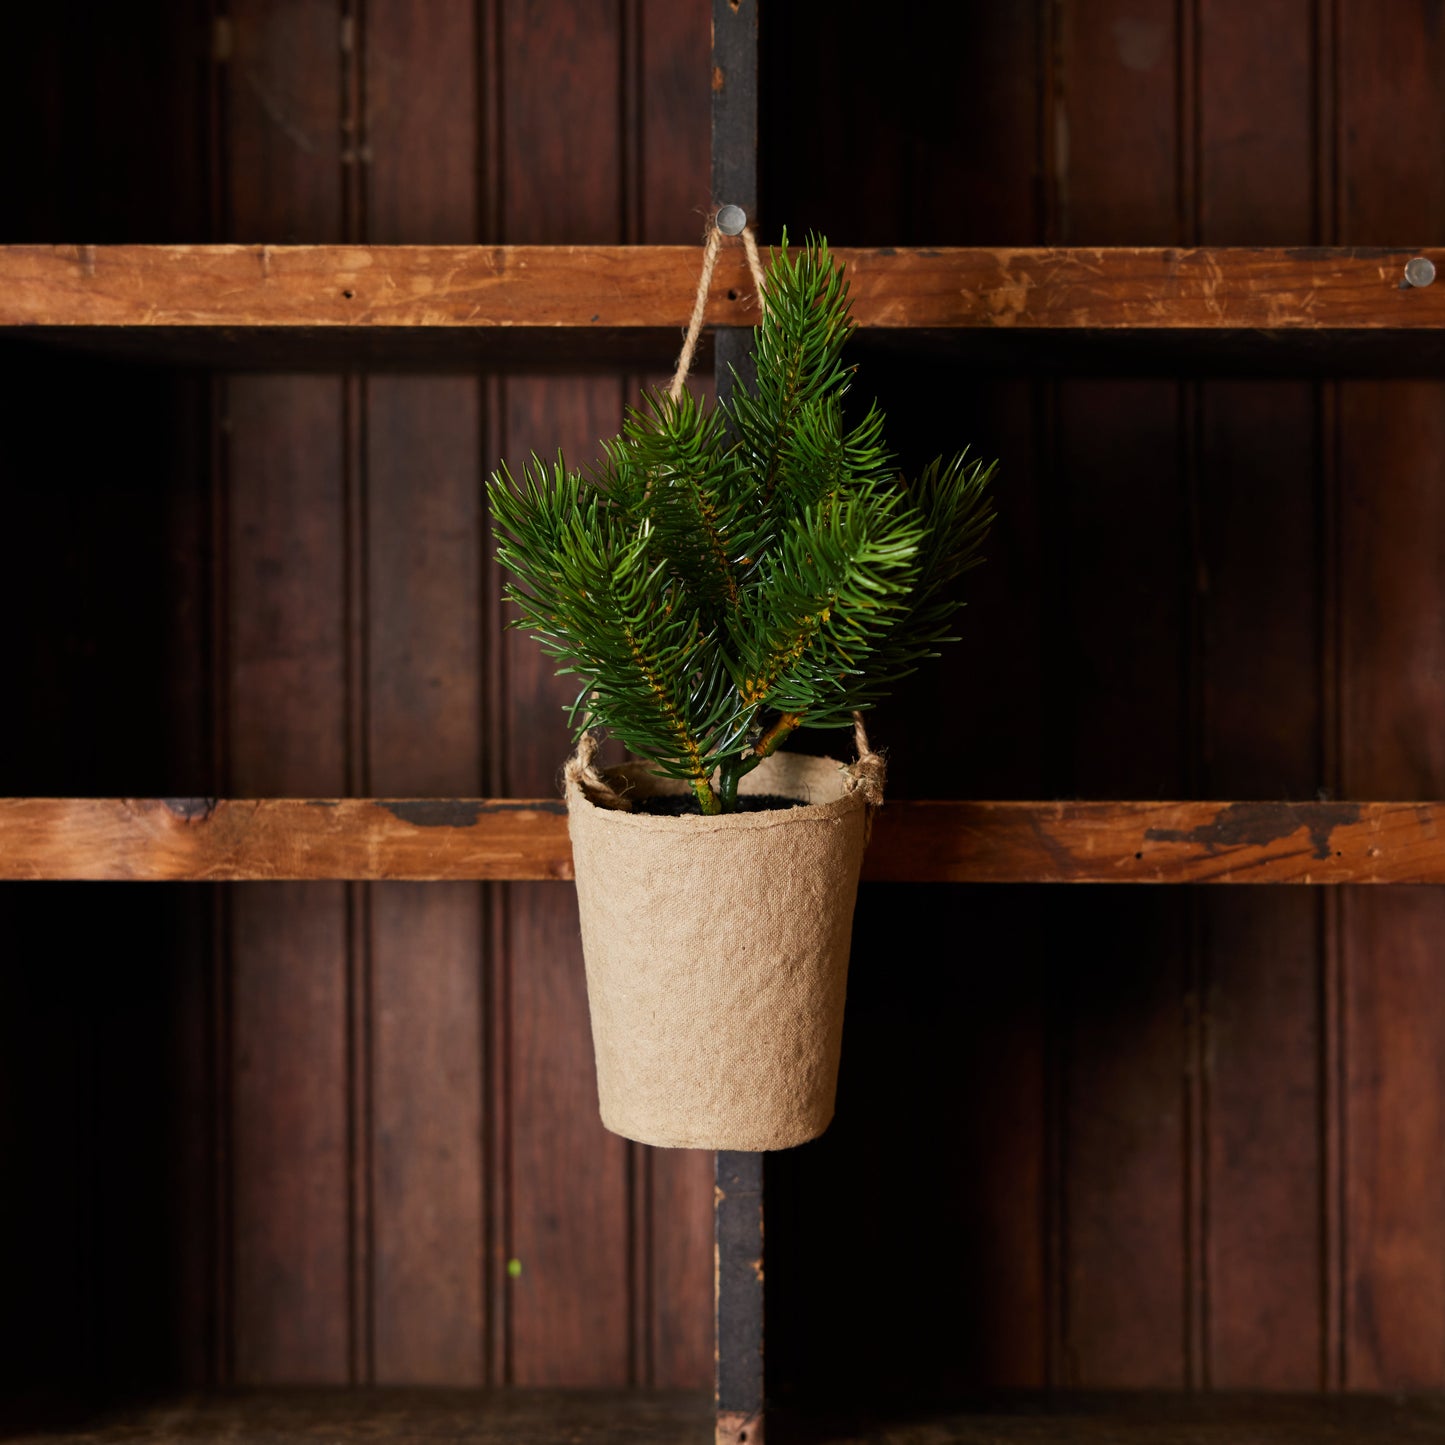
(867, 775)
(729, 221)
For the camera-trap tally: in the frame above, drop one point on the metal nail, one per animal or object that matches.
(731, 220)
(1420, 271)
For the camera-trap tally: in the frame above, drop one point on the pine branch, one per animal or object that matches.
(696, 495)
(796, 349)
(725, 576)
(587, 589)
(827, 596)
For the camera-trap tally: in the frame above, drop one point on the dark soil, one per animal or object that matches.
(685, 804)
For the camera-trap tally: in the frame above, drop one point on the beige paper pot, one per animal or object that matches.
(717, 952)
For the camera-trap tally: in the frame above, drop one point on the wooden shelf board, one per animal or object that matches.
(238, 840)
(1152, 1418)
(379, 1416)
(603, 288)
(553, 1417)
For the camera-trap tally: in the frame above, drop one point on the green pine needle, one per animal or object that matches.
(726, 574)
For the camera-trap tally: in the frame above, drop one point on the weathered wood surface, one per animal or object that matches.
(294, 1416)
(739, 1202)
(238, 840)
(293, 1256)
(739, 1225)
(1389, 670)
(562, 1417)
(592, 287)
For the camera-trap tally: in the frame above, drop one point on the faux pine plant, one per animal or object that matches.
(727, 575)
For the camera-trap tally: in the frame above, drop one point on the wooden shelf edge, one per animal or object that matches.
(389, 1416)
(385, 1415)
(488, 839)
(601, 288)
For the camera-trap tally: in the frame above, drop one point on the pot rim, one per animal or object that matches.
(849, 799)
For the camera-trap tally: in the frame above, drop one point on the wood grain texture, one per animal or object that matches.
(287, 1017)
(1118, 79)
(932, 159)
(285, 720)
(1393, 688)
(1257, 1153)
(558, 1417)
(572, 1307)
(596, 287)
(291, 1417)
(418, 839)
(1257, 1053)
(740, 1218)
(423, 733)
(1391, 677)
(1210, 121)
(423, 725)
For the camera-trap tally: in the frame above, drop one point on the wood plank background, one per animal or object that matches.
(167, 840)
(625, 287)
(1171, 1138)
(1114, 1137)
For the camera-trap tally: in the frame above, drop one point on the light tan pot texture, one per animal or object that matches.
(717, 950)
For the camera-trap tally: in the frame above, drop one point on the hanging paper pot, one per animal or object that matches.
(717, 950)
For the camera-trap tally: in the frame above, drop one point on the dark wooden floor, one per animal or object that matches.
(587, 1417)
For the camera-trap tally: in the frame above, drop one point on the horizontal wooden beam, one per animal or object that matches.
(243, 840)
(405, 1415)
(1131, 842)
(598, 288)
(150, 839)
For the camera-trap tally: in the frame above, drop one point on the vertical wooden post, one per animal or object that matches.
(735, 104)
(738, 1297)
(738, 1197)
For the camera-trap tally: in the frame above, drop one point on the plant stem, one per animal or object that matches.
(787, 724)
(707, 800)
(731, 771)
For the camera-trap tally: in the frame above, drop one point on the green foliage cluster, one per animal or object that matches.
(724, 576)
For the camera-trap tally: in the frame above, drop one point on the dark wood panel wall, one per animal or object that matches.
(394, 1171)
(1113, 1137)
(1152, 1140)
(421, 1189)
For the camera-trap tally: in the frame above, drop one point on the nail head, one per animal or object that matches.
(732, 219)
(1420, 271)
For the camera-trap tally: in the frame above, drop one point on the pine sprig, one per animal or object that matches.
(726, 575)
(682, 474)
(797, 352)
(830, 592)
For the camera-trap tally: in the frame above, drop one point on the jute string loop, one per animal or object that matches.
(867, 775)
(581, 768)
(699, 303)
(870, 772)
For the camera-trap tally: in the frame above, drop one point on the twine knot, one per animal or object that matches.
(581, 772)
(870, 772)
